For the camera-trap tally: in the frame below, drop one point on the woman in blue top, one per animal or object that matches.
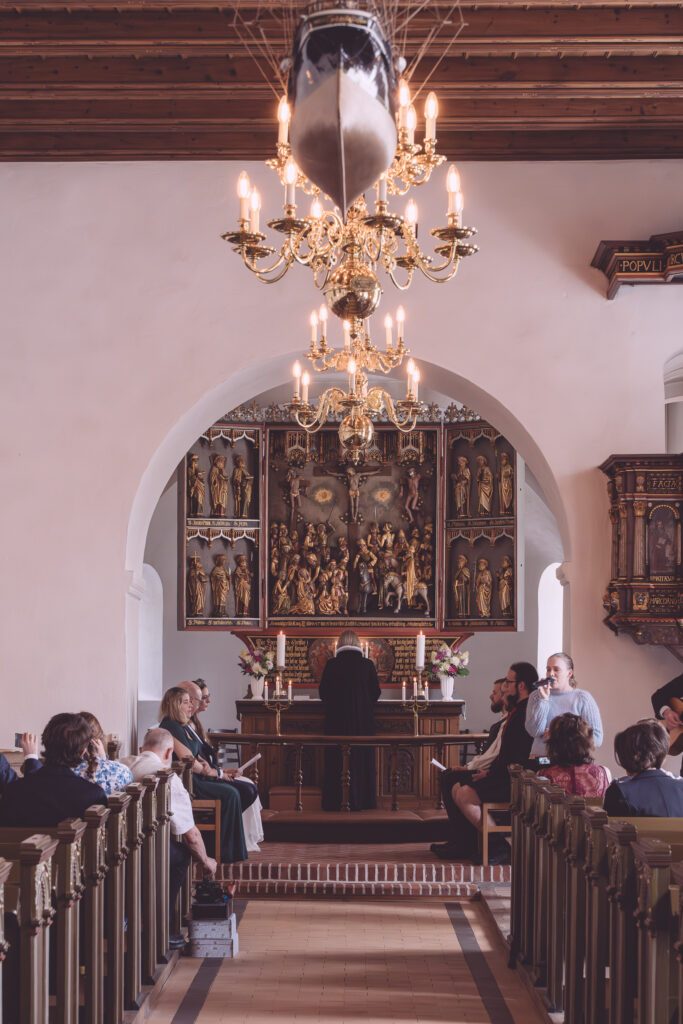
(559, 695)
(96, 767)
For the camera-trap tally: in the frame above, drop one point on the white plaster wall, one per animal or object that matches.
(127, 325)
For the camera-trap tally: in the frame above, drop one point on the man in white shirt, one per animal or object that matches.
(156, 752)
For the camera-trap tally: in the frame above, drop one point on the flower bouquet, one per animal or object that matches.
(257, 664)
(446, 665)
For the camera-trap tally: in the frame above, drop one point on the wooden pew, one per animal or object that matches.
(5, 868)
(132, 981)
(114, 902)
(28, 901)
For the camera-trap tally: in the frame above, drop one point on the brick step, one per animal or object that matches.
(256, 888)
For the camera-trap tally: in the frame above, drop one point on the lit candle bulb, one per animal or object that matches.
(411, 214)
(403, 102)
(400, 320)
(351, 368)
(416, 383)
(382, 189)
(347, 334)
(459, 204)
(403, 690)
(305, 381)
(415, 687)
(410, 370)
(290, 175)
(254, 207)
(297, 379)
(314, 327)
(289, 691)
(283, 118)
(388, 325)
(316, 209)
(322, 317)
(452, 186)
(265, 690)
(411, 124)
(431, 114)
(243, 191)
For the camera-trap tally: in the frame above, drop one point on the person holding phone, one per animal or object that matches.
(28, 742)
(555, 695)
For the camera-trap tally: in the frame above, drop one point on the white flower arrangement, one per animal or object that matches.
(256, 663)
(445, 662)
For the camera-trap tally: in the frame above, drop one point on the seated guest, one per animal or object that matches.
(248, 791)
(646, 791)
(477, 763)
(46, 797)
(662, 700)
(29, 746)
(556, 696)
(570, 750)
(157, 752)
(176, 712)
(493, 784)
(112, 776)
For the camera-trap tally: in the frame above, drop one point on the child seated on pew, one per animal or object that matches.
(570, 751)
(646, 790)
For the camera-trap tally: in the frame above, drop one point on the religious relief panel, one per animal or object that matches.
(219, 512)
(481, 527)
(644, 596)
(352, 543)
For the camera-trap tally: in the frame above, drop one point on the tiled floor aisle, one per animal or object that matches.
(331, 962)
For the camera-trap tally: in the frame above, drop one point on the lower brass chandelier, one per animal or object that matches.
(357, 357)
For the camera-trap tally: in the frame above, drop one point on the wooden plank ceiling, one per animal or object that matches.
(140, 80)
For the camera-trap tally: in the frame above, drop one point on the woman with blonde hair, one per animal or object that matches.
(96, 767)
(556, 695)
(349, 690)
(176, 714)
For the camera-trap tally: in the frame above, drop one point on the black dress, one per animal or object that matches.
(349, 691)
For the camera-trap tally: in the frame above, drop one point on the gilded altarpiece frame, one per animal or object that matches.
(275, 529)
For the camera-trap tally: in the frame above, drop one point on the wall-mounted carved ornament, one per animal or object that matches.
(659, 260)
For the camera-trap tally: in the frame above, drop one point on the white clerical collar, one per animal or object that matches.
(349, 647)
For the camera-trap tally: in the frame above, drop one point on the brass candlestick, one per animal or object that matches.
(279, 702)
(417, 703)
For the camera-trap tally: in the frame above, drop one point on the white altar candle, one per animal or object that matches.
(420, 650)
(403, 690)
(426, 690)
(265, 689)
(289, 691)
(414, 687)
(281, 646)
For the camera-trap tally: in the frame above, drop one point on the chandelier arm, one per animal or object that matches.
(435, 274)
(408, 422)
(267, 274)
(329, 402)
(397, 283)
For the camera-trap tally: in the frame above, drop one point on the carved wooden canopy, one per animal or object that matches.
(143, 79)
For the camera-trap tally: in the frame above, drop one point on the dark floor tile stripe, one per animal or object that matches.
(490, 994)
(195, 997)
(239, 906)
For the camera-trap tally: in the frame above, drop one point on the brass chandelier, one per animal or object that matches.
(357, 357)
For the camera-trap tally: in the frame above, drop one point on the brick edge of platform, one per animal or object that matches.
(281, 887)
(365, 872)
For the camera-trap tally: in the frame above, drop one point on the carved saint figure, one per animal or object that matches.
(305, 594)
(661, 544)
(411, 487)
(281, 601)
(241, 581)
(365, 557)
(196, 489)
(483, 587)
(365, 585)
(461, 587)
(387, 538)
(220, 585)
(462, 483)
(218, 486)
(484, 487)
(505, 585)
(242, 485)
(196, 586)
(506, 484)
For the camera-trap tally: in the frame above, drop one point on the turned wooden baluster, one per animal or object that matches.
(95, 868)
(394, 776)
(346, 778)
(163, 842)
(299, 778)
(148, 881)
(114, 890)
(132, 979)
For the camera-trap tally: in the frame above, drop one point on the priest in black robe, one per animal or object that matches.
(349, 690)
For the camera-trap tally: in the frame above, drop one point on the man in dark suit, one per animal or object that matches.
(46, 797)
(349, 690)
(465, 774)
(29, 746)
(493, 784)
(661, 704)
(646, 791)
